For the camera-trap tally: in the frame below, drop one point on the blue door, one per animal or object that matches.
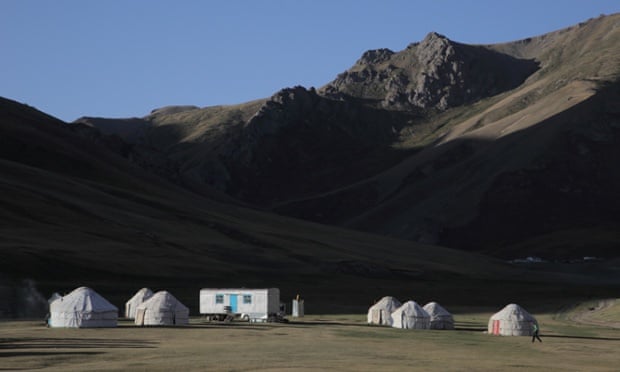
(233, 303)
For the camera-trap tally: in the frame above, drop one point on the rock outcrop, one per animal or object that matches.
(299, 142)
(436, 73)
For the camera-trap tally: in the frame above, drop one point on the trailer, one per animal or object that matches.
(253, 305)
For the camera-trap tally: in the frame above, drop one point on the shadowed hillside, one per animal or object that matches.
(441, 142)
(74, 213)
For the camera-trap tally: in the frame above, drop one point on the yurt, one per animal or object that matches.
(440, 317)
(82, 308)
(162, 309)
(380, 312)
(411, 316)
(53, 297)
(137, 299)
(512, 320)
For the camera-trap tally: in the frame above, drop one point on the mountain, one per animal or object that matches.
(531, 170)
(75, 211)
(435, 73)
(506, 149)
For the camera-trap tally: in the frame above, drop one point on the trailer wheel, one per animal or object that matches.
(245, 317)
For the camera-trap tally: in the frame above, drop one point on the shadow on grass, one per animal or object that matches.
(328, 323)
(42, 353)
(239, 326)
(460, 326)
(471, 329)
(268, 326)
(38, 354)
(71, 343)
(582, 337)
(207, 325)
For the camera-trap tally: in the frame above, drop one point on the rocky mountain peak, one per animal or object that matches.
(375, 56)
(286, 108)
(435, 49)
(435, 73)
(279, 109)
(434, 38)
(289, 95)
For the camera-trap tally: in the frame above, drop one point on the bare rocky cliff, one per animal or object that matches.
(435, 73)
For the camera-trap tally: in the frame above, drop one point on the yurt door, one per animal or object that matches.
(382, 317)
(140, 316)
(495, 327)
(376, 316)
(233, 303)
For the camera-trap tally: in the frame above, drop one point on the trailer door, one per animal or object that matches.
(233, 303)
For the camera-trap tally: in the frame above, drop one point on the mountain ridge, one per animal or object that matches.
(434, 73)
(349, 152)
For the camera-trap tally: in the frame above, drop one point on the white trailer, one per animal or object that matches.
(247, 304)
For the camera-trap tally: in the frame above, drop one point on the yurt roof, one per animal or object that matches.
(412, 308)
(513, 312)
(162, 300)
(83, 299)
(388, 302)
(53, 297)
(433, 308)
(142, 295)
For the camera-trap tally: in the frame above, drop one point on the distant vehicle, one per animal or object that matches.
(253, 305)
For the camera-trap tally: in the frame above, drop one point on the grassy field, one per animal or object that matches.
(316, 342)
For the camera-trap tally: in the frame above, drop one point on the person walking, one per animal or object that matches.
(535, 332)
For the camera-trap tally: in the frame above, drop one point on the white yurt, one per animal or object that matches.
(380, 312)
(411, 316)
(53, 297)
(82, 308)
(440, 317)
(162, 309)
(512, 320)
(137, 299)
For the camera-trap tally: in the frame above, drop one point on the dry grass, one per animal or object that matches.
(317, 342)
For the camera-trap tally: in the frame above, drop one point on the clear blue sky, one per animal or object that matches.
(123, 58)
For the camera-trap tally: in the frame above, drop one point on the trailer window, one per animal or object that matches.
(219, 299)
(247, 299)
